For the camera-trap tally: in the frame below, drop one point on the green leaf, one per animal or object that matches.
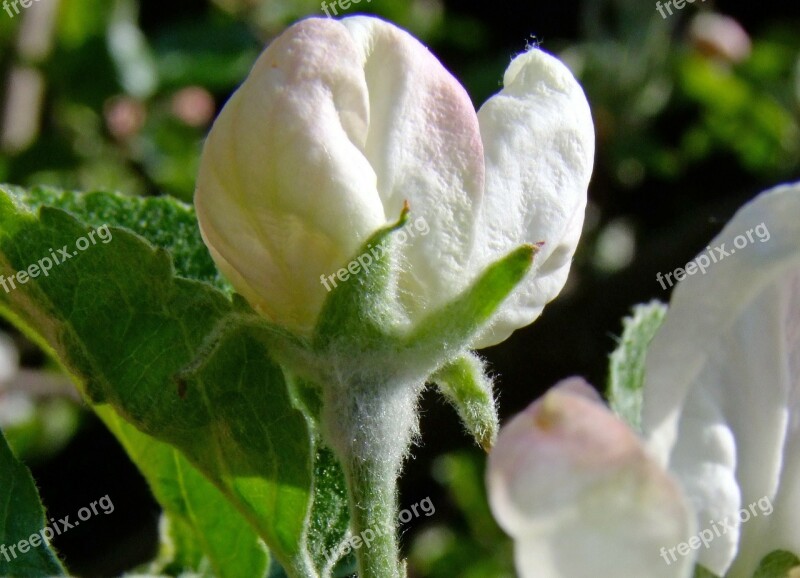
(330, 514)
(777, 564)
(173, 355)
(22, 517)
(463, 473)
(164, 222)
(180, 552)
(463, 382)
(626, 364)
(203, 524)
(47, 429)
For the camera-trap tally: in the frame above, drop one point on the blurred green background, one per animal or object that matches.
(695, 114)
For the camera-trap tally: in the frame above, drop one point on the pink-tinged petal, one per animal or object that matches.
(538, 138)
(722, 387)
(285, 192)
(574, 487)
(424, 145)
(720, 36)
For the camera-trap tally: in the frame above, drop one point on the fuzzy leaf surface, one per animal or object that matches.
(626, 364)
(144, 323)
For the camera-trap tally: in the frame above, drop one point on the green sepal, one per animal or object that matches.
(450, 330)
(626, 363)
(363, 314)
(464, 383)
(362, 306)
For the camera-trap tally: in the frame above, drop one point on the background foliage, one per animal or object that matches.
(118, 95)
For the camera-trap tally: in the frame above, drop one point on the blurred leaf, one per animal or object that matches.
(462, 473)
(700, 572)
(777, 564)
(484, 551)
(21, 517)
(73, 82)
(130, 52)
(48, 428)
(216, 53)
(180, 552)
(742, 117)
(170, 154)
(80, 20)
(423, 18)
(626, 367)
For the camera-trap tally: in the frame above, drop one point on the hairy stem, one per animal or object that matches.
(374, 513)
(371, 427)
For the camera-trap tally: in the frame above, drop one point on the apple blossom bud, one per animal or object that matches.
(312, 155)
(573, 486)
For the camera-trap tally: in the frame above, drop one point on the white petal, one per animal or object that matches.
(574, 487)
(285, 193)
(424, 144)
(538, 138)
(722, 390)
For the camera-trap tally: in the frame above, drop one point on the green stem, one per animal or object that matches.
(374, 514)
(370, 423)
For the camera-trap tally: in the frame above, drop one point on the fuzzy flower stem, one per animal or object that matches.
(373, 508)
(371, 427)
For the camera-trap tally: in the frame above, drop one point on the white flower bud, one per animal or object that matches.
(341, 122)
(573, 486)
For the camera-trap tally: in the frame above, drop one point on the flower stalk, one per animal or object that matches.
(300, 173)
(371, 428)
(373, 507)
